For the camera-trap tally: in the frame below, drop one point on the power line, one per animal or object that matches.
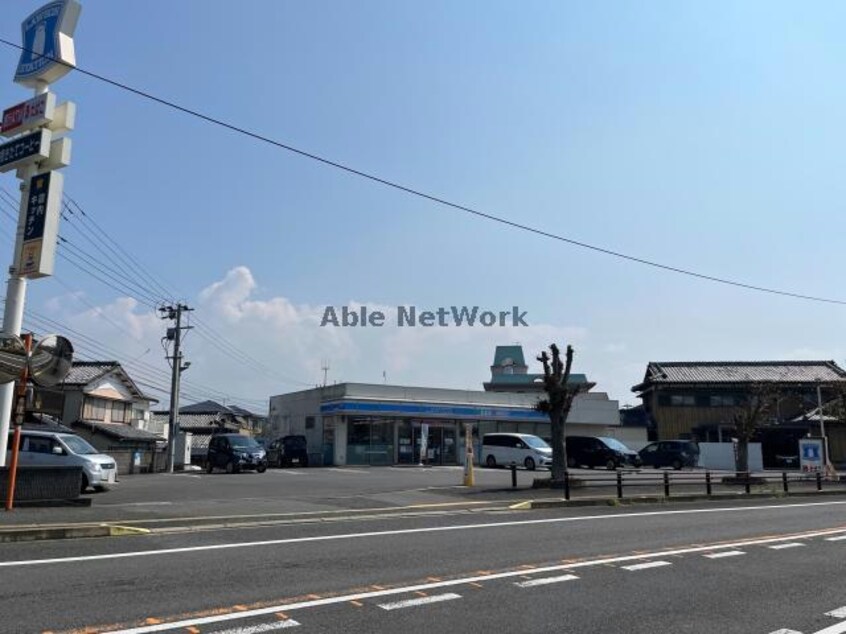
(430, 197)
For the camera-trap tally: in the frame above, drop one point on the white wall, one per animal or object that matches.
(720, 455)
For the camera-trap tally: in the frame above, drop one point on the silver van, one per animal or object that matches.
(54, 449)
(524, 450)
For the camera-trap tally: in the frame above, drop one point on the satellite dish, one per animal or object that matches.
(13, 358)
(51, 360)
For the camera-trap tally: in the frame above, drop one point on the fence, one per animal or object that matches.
(696, 482)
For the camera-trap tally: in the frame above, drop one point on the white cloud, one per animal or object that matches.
(287, 338)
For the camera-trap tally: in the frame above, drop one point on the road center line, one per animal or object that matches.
(727, 553)
(412, 531)
(450, 583)
(531, 583)
(647, 565)
(259, 629)
(435, 598)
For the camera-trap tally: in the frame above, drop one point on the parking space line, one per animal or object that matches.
(725, 553)
(784, 631)
(437, 598)
(545, 581)
(787, 545)
(648, 564)
(839, 628)
(839, 613)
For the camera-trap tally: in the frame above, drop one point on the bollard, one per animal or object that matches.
(567, 485)
(784, 481)
(513, 475)
(666, 484)
(819, 481)
(708, 482)
(619, 486)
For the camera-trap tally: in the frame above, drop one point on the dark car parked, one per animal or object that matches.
(591, 451)
(288, 451)
(670, 453)
(234, 453)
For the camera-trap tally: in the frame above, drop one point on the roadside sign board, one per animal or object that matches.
(41, 225)
(47, 40)
(30, 147)
(811, 455)
(28, 115)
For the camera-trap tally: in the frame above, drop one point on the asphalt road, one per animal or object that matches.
(646, 569)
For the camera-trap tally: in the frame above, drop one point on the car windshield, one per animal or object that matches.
(243, 442)
(615, 444)
(79, 446)
(535, 443)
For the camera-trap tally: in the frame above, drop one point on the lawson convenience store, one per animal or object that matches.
(373, 424)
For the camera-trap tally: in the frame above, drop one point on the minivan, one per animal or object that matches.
(51, 449)
(525, 450)
(599, 451)
(670, 453)
(288, 451)
(234, 453)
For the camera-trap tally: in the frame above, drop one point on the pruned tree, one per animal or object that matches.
(755, 407)
(559, 399)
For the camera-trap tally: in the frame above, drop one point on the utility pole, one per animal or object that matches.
(174, 313)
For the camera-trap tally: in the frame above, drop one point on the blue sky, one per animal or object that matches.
(703, 135)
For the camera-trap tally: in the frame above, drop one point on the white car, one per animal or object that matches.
(49, 449)
(524, 450)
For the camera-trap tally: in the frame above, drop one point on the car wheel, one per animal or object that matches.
(571, 462)
(209, 466)
(677, 465)
(490, 462)
(261, 468)
(230, 467)
(304, 462)
(530, 464)
(654, 465)
(84, 483)
(610, 465)
(280, 462)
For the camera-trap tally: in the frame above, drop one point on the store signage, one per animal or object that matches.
(41, 225)
(35, 146)
(47, 40)
(28, 115)
(811, 456)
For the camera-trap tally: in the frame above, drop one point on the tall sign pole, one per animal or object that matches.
(36, 149)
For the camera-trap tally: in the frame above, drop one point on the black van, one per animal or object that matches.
(234, 453)
(601, 451)
(288, 451)
(670, 453)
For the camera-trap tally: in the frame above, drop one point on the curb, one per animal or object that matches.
(656, 499)
(32, 534)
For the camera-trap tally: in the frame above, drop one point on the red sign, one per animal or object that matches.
(27, 114)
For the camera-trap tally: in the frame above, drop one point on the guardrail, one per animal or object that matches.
(623, 481)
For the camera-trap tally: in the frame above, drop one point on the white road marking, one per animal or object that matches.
(725, 553)
(787, 545)
(435, 598)
(285, 472)
(839, 613)
(648, 564)
(358, 471)
(783, 631)
(425, 587)
(531, 583)
(442, 529)
(836, 539)
(839, 628)
(258, 629)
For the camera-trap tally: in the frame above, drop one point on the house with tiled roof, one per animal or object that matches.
(699, 399)
(101, 402)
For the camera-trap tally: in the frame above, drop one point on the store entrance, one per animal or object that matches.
(441, 443)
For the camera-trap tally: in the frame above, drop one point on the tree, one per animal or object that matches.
(557, 404)
(754, 408)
